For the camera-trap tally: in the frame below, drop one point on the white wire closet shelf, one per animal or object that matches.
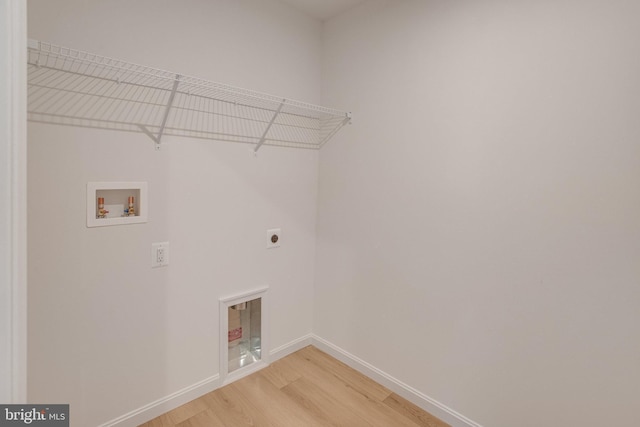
(71, 87)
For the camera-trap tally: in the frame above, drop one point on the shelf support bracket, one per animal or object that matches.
(147, 132)
(158, 138)
(263, 138)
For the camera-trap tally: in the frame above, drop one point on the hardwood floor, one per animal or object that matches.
(305, 389)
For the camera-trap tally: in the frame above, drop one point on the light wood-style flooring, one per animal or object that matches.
(307, 388)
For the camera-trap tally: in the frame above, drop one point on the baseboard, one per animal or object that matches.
(165, 404)
(172, 401)
(291, 347)
(427, 403)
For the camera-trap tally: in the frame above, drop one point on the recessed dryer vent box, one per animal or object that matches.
(116, 203)
(243, 342)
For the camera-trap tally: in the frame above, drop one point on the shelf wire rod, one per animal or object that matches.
(108, 94)
(208, 116)
(218, 137)
(51, 81)
(247, 128)
(102, 107)
(189, 110)
(152, 118)
(227, 108)
(172, 121)
(35, 74)
(74, 121)
(179, 116)
(91, 87)
(64, 97)
(300, 134)
(238, 127)
(154, 115)
(150, 115)
(202, 117)
(216, 110)
(195, 118)
(158, 114)
(133, 97)
(212, 135)
(193, 101)
(57, 72)
(221, 98)
(88, 103)
(105, 67)
(186, 115)
(229, 96)
(265, 98)
(38, 97)
(222, 122)
(138, 105)
(310, 131)
(229, 93)
(111, 92)
(216, 117)
(297, 122)
(45, 89)
(266, 131)
(205, 115)
(257, 122)
(237, 110)
(346, 120)
(176, 115)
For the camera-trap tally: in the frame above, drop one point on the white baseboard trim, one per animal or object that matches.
(427, 403)
(291, 347)
(187, 394)
(165, 404)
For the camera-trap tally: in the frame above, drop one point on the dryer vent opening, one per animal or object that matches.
(244, 334)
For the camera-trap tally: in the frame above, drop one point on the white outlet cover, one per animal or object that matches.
(156, 259)
(270, 238)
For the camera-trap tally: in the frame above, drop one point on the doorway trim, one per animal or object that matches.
(13, 201)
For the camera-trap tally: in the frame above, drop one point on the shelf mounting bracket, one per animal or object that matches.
(147, 132)
(157, 139)
(263, 138)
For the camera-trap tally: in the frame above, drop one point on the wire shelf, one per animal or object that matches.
(71, 87)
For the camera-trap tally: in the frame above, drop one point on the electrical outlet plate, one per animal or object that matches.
(274, 238)
(159, 254)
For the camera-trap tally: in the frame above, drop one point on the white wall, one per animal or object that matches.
(479, 223)
(108, 334)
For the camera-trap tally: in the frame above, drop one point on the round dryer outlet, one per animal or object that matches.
(274, 237)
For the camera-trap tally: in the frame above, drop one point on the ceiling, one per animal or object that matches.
(323, 9)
